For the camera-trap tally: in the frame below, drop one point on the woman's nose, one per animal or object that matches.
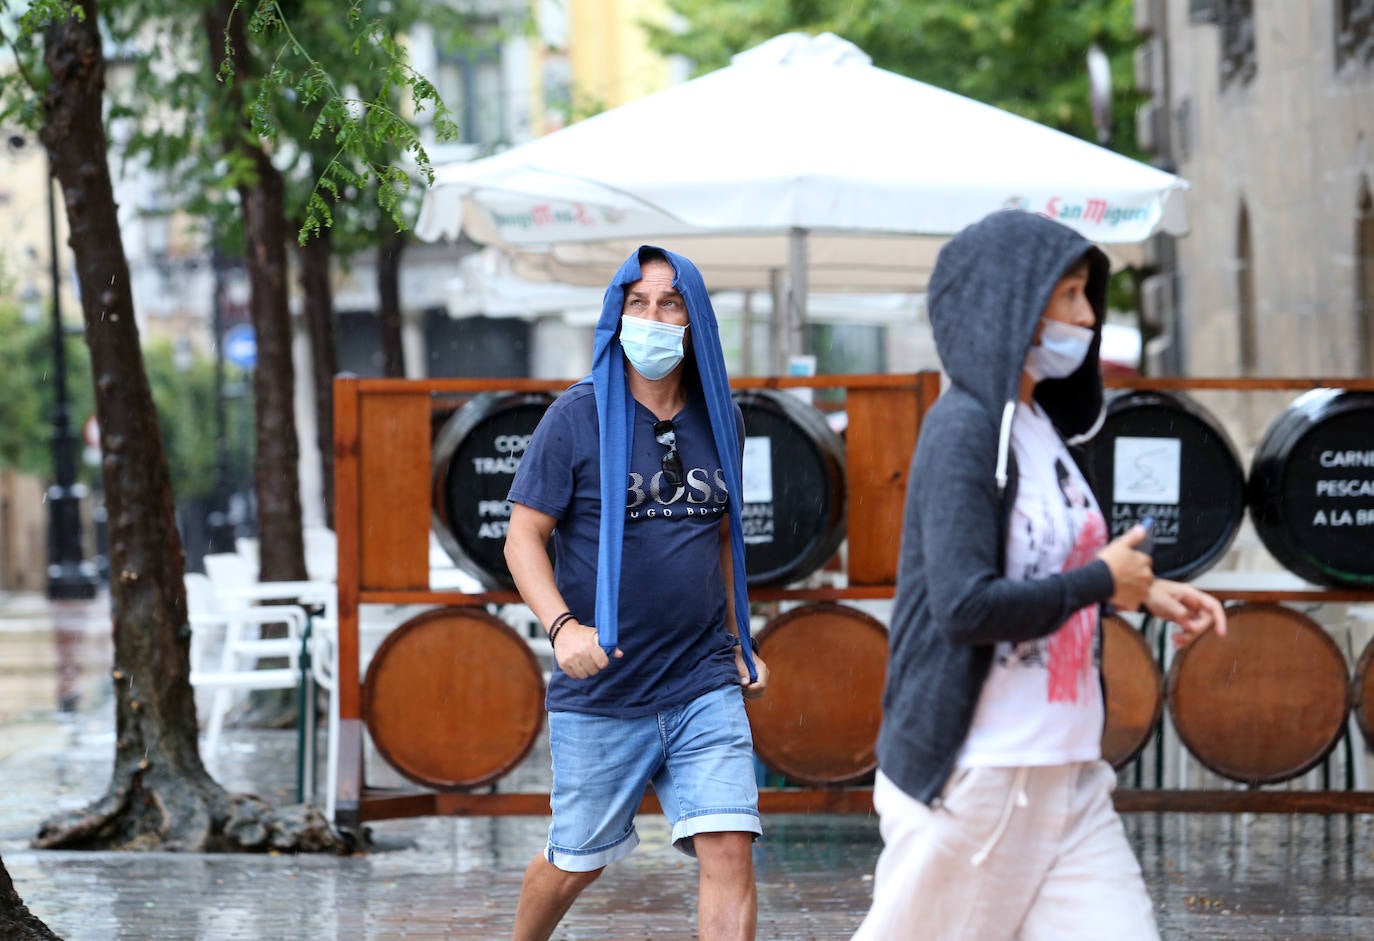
(1084, 316)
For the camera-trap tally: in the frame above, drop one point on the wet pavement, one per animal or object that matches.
(1212, 876)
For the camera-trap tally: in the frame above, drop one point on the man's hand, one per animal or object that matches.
(1132, 570)
(757, 688)
(578, 653)
(1191, 609)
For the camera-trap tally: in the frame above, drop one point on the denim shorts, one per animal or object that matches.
(698, 756)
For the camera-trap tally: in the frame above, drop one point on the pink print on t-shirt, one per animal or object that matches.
(1069, 650)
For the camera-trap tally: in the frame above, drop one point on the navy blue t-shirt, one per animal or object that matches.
(672, 595)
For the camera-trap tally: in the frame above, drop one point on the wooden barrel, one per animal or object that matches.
(473, 461)
(453, 698)
(1163, 455)
(1362, 695)
(1265, 703)
(1311, 488)
(1135, 691)
(794, 487)
(818, 723)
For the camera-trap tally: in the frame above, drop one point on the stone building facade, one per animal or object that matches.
(1266, 107)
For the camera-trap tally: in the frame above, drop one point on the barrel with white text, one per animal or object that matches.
(1311, 488)
(473, 461)
(1163, 456)
(793, 505)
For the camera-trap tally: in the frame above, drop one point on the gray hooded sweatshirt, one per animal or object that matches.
(954, 603)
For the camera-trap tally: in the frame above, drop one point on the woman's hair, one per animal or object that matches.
(1067, 484)
(1082, 266)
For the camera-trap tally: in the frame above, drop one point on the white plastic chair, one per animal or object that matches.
(321, 553)
(248, 548)
(230, 573)
(375, 622)
(324, 669)
(236, 586)
(242, 646)
(444, 575)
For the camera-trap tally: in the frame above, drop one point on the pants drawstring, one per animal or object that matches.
(1017, 798)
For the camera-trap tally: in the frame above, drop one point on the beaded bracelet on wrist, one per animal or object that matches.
(753, 643)
(557, 626)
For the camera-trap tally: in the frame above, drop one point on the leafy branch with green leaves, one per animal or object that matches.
(367, 132)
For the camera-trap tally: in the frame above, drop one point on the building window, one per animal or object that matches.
(470, 79)
(1245, 296)
(1237, 19)
(1202, 11)
(1354, 31)
(1364, 281)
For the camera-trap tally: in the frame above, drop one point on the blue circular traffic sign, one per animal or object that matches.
(241, 346)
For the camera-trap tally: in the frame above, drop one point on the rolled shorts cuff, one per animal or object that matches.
(735, 820)
(592, 859)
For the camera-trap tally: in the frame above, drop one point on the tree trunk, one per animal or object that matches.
(281, 551)
(17, 923)
(160, 795)
(389, 303)
(318, 301)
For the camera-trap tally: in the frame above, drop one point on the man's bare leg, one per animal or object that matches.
(545, 897)
(728, 907)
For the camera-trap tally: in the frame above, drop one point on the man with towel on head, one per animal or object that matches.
(646, 606)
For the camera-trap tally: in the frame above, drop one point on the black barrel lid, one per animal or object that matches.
(1311, 488)
(1163, 455)
(473, 461)
(794, 487)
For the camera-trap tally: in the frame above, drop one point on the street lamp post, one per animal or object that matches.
(70, 576)
(219, 529)
(1100, 93)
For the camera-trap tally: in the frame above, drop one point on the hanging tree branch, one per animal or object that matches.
(362, 128)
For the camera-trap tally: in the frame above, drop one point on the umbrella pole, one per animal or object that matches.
(777, 333)
(796, 294)
(746, 338)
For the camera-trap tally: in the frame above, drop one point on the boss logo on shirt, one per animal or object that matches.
(702, 494)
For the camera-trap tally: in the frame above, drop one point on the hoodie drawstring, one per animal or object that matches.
(1004, 444)
(1017, 798)
(1097, 426)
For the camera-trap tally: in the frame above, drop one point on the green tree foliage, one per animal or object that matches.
(1024, 56)
(349, 77)
(27, 389)
(332, 81)
(184, 391)
(182, 385)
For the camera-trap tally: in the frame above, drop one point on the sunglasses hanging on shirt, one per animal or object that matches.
(671, 465)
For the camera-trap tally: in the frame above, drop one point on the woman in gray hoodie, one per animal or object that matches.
(995, 804)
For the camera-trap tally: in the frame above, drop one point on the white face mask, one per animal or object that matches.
(1061, 350)
(653, 348)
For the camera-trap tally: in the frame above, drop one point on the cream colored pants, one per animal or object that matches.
(1031, 854)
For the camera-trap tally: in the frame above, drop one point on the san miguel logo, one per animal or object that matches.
(541, 217)
(1094, 211)
(545, 216)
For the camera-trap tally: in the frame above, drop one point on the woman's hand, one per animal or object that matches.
(1194, 611)
(1132, 570)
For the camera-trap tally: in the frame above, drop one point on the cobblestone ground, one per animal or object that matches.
(1213, 877)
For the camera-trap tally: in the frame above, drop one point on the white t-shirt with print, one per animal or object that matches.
(1042, 702)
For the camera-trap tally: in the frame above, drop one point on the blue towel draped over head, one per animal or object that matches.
(615, 412)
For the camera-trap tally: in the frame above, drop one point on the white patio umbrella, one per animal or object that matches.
(800, 160)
